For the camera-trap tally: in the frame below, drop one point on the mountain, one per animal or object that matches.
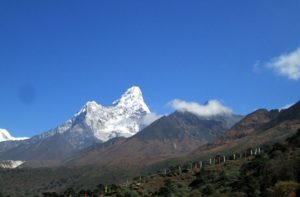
(250, 123)
(94, 123)
(256, 129)
(169, 136)
(290, 114)
(163, 143)
(262, 120)
(5, 136)
(185, 124)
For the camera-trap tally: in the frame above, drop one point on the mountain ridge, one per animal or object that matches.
(169, 136)
(94, 123)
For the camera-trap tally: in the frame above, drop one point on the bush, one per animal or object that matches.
(283, 189)
(208, 189)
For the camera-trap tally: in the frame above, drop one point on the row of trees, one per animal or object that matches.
(218, 159)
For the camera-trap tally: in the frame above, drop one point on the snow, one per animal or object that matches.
(10, 164)
(5, 136)
(124, 118)
(132, 98)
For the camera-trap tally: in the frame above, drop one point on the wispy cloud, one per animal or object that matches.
(256, 67)
(211, 108)
(287, 64)
(149, 118)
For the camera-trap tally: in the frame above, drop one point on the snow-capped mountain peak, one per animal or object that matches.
(5, 136)
(121, 119)
(90, 106)
(132, 98)
(95, 122)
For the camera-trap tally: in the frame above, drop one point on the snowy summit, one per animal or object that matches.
(95, 122)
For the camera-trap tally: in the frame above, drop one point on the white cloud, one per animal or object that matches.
(149, 118)
(211, 108)
(287, 64)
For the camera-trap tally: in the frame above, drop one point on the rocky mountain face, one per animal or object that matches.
(94, 123)
(169, 136)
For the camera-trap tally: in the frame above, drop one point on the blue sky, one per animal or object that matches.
(56, 55)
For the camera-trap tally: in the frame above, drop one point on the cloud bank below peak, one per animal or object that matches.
(211, 108)
(149, 118)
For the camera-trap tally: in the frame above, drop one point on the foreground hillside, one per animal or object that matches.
(271, 170)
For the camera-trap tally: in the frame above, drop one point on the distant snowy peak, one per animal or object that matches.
(94, 121)
(5, 136)
(10, 164)
(123, 118)
(132, 99)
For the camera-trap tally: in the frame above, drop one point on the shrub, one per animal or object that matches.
(283, 189)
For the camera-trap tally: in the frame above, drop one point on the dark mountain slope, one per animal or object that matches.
(260, 127)
(172, 135)
(250, 123)
(290, 114)
(53, 148)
